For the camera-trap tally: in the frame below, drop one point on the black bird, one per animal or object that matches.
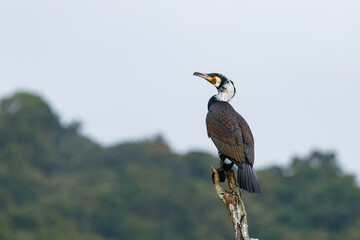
(230, 133)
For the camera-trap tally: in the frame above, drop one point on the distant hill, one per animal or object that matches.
(58, 184)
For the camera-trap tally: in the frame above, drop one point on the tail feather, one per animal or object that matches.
(247, 179)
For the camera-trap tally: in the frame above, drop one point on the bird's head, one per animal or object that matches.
(225, 87)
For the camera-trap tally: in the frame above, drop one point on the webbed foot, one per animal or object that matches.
(222, 175)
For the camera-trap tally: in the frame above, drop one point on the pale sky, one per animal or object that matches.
(124, 69)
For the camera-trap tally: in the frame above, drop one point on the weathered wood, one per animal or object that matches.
(233, 203)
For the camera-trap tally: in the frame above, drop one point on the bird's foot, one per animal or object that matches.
(227, 166)
(225, 163)
(222, 175)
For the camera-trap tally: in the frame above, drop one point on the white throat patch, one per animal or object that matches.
(226, 94)
(218, 82)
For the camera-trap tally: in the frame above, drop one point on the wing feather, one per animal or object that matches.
(230, 133)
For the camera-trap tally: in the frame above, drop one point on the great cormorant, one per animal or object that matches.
(230, 133)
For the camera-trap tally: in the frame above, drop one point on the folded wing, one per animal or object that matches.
(230, 133)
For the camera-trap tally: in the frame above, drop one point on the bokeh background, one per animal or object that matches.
(102, 123)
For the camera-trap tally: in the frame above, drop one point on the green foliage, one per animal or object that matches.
(57, 184)
(311, 198)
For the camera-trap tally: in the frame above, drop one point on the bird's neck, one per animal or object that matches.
(226, 92)
(224, 96)
(215, 99)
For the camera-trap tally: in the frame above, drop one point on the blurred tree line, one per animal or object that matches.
(57, 184)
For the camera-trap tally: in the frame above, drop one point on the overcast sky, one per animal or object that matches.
(124, 68)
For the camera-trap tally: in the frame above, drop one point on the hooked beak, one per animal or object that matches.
(205, 76)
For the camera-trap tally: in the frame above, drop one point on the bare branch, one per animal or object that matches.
(233, 203)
